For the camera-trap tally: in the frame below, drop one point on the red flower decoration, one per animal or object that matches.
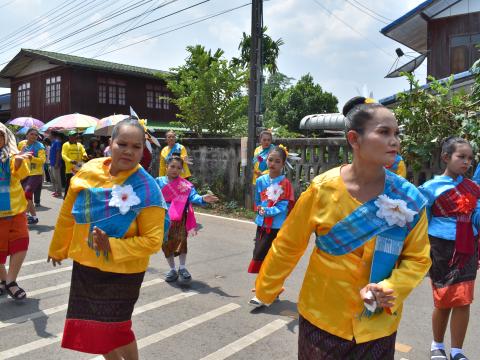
(259, 159)
(466, 203)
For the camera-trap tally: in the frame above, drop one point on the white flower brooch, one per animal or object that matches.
(274, 191)
(394, 211)
(123, 197)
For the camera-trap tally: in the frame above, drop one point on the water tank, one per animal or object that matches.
(323, 122)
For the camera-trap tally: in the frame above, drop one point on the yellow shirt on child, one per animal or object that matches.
(163, 163)
(36, 162)
(18, 203)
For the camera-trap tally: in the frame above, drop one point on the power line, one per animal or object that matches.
(98, 22)
(145, 24)
(365, 12)
(178, 28)
(7, 3)
(372, 11)
(145, 14)
(351, 28)
(49, 24)
(38, 19)
(103, 31)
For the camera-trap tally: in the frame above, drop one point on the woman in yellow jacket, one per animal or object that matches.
(110, 223)
(173, 148)
(13, 221)
(371, 249)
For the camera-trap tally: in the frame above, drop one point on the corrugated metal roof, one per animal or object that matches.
(26, 56)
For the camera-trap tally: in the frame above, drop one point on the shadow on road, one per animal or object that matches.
(281, 308)
(202, 288)
(27, 306)
(41, 228)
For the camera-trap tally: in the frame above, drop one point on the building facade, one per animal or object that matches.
(45, 85)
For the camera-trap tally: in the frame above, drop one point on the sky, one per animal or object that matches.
(338, 44)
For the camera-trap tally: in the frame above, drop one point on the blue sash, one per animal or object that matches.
(5, 176)
(176, 148)
(395, 164)
(92, 205)
(363, 224)
(262, 165)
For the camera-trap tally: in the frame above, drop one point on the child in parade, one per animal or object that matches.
(34, 181)
(371, 246)
(173, 147)
(398, 167)
(13, 221)
(180, 221)
(453, 230)
(260, 155)
(110, 223)
(274, 197)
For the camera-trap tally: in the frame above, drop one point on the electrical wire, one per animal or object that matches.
(351, 28)
(365, 12)
(372, 11)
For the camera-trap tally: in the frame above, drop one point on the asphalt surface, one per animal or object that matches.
(209, 319)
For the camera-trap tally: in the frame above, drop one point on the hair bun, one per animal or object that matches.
(350, 104)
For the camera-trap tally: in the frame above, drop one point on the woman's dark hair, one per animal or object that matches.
(281, 152)
(175, 157)
(32, 129)
(266, 132)
(449, 144)
(358, 111)
(130, 121)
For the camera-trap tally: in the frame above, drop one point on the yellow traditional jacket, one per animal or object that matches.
(163, 162)
(18, 203)
(330, 297)
(130, 254)
(36, 162)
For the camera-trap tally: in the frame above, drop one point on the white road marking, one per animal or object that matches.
(33, 293)
(44, 273)
(34, 262)
(247, 340)
(175, 329)
(38, 344)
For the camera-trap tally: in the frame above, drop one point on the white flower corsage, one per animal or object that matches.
(274, 191)
(394, 211)
(123, 197)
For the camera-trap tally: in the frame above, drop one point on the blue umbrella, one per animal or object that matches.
(89, 131)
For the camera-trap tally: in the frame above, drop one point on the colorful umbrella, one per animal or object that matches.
(89, 131)
(70, 122)
(27, 122)
(105, 126)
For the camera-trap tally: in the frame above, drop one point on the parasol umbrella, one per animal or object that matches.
(27, 122)
(89, 131)
(105, 125)
(70, 122)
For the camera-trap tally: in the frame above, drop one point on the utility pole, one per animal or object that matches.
(254, 95)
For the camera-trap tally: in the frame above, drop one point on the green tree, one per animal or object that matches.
(431, 114)
(270, 51)
(305, 97)
(207, 91)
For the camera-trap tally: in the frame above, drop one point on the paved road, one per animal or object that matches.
(208, 320)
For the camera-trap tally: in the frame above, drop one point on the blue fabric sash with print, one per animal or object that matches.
(92, 205)
(262, 165)
(363, 224)
(5, 176)
(176, 148)
(395, 164)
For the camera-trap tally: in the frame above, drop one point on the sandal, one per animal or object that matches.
(20, 294)
(3, 284)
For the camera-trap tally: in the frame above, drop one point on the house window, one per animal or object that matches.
(112, 95)
(102, 93)
(156, 97)
(23, 97)
(53, 89)
(113, 90)
(463, 52)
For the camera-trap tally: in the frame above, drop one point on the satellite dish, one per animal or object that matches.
(409, 67)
